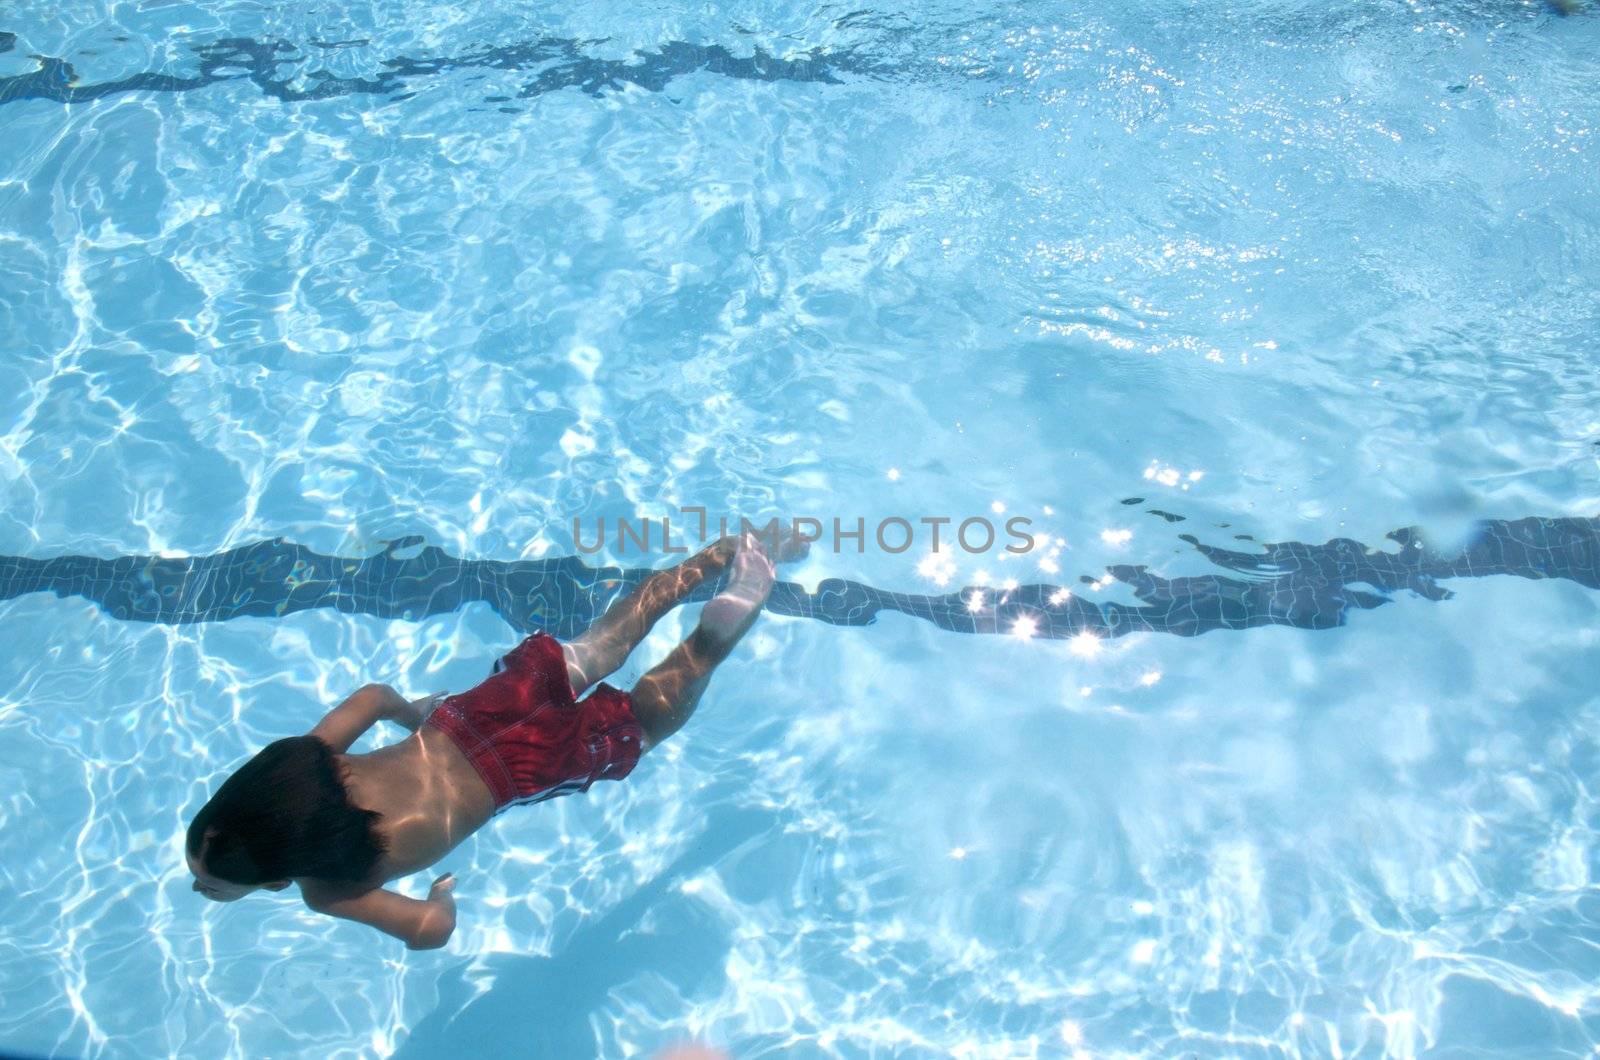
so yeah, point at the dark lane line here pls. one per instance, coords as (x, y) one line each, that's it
(1294, 584)
(276, 69)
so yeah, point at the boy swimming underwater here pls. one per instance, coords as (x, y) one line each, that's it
(342, 825)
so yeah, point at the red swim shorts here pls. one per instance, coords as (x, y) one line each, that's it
(529, 739)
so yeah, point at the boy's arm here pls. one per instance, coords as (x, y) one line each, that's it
(365, 707)
(422, 925)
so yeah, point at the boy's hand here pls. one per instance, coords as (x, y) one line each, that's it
(439, 923)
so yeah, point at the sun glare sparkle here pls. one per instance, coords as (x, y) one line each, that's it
(1168, 475)
(937, 567)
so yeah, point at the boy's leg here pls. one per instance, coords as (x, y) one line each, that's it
(666, 695)
(605, 645)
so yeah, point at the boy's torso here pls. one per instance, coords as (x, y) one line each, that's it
(428, 794)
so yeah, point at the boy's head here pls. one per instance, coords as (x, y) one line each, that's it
(284, 815)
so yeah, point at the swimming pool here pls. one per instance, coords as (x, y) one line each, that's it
(322, 326)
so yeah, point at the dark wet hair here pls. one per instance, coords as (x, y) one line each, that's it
(284, 814)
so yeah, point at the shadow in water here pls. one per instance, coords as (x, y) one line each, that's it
(541, 1006)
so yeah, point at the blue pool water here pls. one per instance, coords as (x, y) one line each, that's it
(319, 326)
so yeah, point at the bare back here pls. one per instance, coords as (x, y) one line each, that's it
(428, 795)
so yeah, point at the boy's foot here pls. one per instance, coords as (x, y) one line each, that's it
(750, 578)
